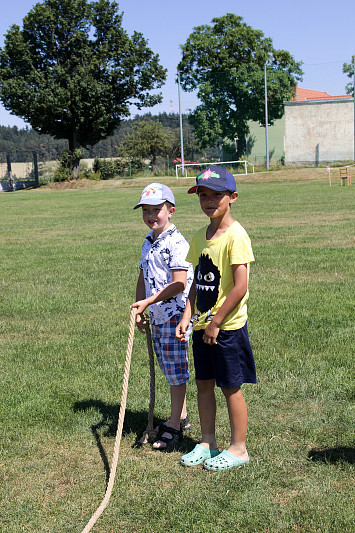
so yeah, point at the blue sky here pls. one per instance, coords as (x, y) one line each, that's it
(318, 32)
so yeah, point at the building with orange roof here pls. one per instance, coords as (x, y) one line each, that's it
(316, 128)
(319, 128)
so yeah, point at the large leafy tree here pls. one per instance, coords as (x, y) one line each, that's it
(348, 69)
(225, 62)
(73, 71)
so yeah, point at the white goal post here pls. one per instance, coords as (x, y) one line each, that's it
(201, 166)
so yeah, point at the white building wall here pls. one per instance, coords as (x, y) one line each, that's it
(319, 131)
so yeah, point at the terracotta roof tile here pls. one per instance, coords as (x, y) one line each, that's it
(308, 94)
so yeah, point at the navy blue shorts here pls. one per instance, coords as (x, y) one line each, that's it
(230, 362)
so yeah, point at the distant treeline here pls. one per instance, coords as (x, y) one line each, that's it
(21, 142)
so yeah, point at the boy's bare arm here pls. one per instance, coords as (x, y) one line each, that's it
(181, 328)
(173, 289)
(240, 277)
(140, 289)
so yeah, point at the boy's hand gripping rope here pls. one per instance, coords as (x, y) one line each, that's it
(121, 416)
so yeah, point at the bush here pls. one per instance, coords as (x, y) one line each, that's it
(109, 169)
(103, 167)
(96, 176)
(63, 172)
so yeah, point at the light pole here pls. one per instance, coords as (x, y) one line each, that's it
(266, 122)
(354, 101)
(181, 133)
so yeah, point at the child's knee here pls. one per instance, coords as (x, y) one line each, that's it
(230, 391)
(205, 385)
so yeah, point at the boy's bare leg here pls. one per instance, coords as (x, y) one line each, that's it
(207, 411)
(184, 409)
(238, 417)
(178, 402)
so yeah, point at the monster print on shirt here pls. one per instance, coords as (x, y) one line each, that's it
(207, 278)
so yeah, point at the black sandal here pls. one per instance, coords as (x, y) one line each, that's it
(185, 422)
(176, 436)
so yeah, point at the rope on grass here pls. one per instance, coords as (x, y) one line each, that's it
(116, 450)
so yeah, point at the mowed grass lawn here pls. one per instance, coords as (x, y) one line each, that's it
(68, 268)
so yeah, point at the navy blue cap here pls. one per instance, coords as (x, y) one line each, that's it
(215, 178)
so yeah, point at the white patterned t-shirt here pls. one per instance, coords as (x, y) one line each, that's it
(158, 260)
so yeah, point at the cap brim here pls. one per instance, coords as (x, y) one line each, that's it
(213, 188)
(153, 201)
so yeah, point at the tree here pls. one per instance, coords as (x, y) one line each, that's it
(147, 139)
(225, 63)
(348, 68)
(72, 71)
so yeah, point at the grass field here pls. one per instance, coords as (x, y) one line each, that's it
(68, 267)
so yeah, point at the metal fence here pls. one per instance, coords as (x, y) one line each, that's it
(14, 176)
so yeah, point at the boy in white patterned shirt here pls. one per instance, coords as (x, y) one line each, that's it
(163, 286)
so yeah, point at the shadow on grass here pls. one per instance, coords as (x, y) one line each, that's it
(333, 455)
(134, 422)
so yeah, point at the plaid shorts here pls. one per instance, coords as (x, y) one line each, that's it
(171, 353)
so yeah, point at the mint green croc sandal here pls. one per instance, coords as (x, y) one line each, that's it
(198, 455)
(224, 461)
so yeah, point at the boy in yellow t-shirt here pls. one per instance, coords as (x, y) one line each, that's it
(221, 254)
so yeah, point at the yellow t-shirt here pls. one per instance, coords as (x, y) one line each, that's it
(212, 261)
